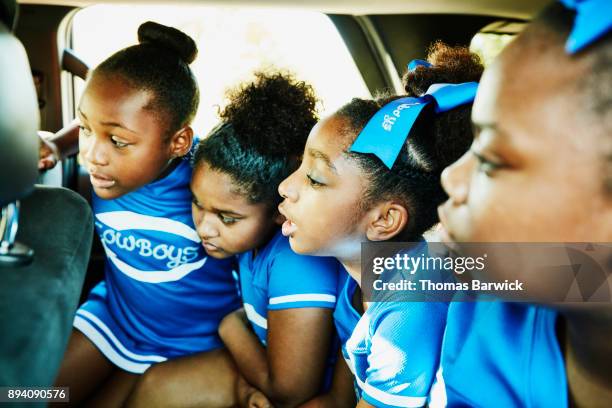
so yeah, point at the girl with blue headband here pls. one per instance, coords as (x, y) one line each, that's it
(353, 186)
(281, 341)
(539, 171)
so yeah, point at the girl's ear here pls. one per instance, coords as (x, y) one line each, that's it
(181, 141)
(387, 220)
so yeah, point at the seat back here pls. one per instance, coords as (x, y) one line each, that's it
(38, 301)
(19, 117)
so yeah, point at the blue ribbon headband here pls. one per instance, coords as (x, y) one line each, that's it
(593, 20)
(412, 65)
(386, 132)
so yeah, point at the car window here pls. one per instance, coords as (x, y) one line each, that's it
(232, 43)
(488, 45)
(494, 37)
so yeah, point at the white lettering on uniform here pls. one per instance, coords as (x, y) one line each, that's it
(176, 256)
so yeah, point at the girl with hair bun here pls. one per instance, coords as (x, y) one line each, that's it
(282, 339)
(370, 173)
(162, 297)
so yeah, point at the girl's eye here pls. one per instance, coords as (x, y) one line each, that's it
(84, 131)
(227, 220)
(486, 166)
(196, 203)
(313, 182)
(117, 142)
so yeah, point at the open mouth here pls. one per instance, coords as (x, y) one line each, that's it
(210, 247)
(288, 228)
(101, 181)
(443, 234)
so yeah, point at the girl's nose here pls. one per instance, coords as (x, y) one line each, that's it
(205, 228)
(287, 190)
(93, 151)
(456, 178)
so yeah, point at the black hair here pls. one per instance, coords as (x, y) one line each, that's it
(159, 64)
(435, 141)
(262, 135)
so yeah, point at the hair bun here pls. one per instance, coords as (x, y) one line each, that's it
(272, 114)
(452, 65)
(169, 38)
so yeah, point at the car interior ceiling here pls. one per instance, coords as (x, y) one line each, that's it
(520, 9)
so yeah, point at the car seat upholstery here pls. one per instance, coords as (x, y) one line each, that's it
(18, 114)
(38, 301)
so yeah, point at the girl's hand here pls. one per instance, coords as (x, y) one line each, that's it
(250, 397)
(47, 152)
(258, 400)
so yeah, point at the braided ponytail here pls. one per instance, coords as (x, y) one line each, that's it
(435, 141)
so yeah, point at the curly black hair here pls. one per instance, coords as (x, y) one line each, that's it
(262, 134)
(435, 141)
(160, 64)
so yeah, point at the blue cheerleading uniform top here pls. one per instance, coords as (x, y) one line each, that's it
(162, 297)
(278, 278)
(501, 354)
(392, 349)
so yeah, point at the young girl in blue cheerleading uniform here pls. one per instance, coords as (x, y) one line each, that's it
(281, 341)
(341, 197)
(162, 296)
(539, 171)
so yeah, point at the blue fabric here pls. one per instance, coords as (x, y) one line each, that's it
(278, 278)
(393, 349)
(412, 65)
(593, 20)
(162, 296)
(386, 132)
(449, 96)
(345, 315)
(500, 354)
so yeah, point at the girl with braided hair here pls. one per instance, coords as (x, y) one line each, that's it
(348, 191)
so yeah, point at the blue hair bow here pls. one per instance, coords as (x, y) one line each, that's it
(593, 20)
(386, 132)
(412, 65)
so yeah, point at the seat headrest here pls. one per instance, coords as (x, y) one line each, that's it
(8, 13)
(19, 120)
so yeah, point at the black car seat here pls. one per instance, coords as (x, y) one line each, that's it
(45, 233)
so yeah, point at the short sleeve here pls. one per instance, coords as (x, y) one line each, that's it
(404, 353)
(297, 281)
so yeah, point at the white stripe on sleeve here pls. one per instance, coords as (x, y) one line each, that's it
(255, 317)
(304, 297)
(390, 399)
(385, 397)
